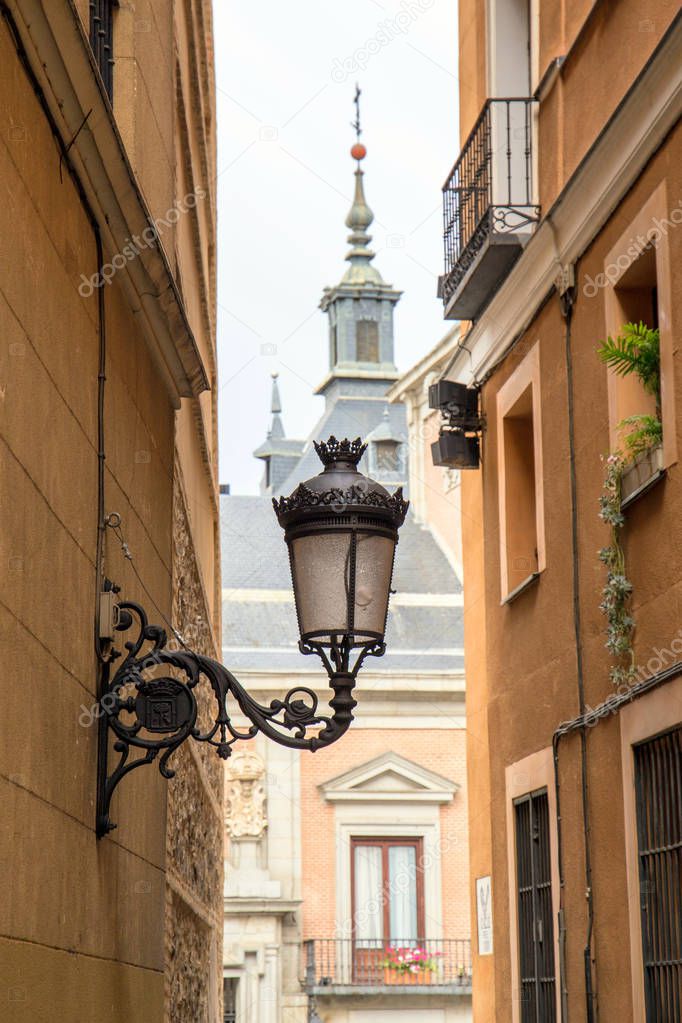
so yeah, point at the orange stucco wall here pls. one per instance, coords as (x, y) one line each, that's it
(523, 683)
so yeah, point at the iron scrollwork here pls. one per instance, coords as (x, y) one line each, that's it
(150, 704)
(304, 497)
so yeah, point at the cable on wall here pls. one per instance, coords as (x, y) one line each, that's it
(64, 161)
(567, 303)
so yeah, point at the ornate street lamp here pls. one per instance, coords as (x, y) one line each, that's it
(341, 529)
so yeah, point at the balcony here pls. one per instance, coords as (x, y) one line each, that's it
(339, 966)
(488, 206)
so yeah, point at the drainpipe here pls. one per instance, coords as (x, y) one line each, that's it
(65, 161)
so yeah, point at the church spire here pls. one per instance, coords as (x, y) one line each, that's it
(277, 452)
(277, 426)
(360, 307)
(360, 216)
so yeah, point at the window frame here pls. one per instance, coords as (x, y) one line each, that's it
(526, 374)
(526, 776)
(363, 321)
(385, 843)
(659, 830)
(232, 983)
(533, 800)
(381, 448)
(617, 264)
(650, 715)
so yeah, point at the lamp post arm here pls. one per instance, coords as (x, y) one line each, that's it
(159, 697)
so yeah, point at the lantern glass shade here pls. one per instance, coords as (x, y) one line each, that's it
(342, 579)
(373, 571)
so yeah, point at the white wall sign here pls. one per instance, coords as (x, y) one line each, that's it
(484, 915)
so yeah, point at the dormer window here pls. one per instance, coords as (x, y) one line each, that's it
(367, 341)
(386, 456)
(386, 449)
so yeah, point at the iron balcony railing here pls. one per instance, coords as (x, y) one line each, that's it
(352, 963)
(490, 189)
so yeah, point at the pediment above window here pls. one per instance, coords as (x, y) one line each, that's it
(386, 779)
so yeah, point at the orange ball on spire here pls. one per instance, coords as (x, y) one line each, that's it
(358, 152)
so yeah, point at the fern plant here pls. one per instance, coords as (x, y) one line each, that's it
(636, 350)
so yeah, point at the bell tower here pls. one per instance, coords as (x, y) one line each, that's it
(360, 308)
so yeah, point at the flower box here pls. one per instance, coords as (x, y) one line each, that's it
(407, 976)
(646, 469)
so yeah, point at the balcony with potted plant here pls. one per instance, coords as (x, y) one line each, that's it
(352, 967)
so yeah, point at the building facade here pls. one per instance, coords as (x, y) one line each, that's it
(108, 451)
(562, 228)
(335, 859)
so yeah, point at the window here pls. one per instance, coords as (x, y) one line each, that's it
(367, 341)
(387, 891)
(635, 300)
(521, 509)
(637, 282)
(386, 456)
(101, 39)
(333, 345)
(658, 777)
(230, 999)
(510, 26)
(534, 904)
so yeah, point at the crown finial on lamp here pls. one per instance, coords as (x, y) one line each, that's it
(332, 451)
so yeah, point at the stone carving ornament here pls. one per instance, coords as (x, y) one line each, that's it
(245, 796)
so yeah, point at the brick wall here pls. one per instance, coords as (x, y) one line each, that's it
(442, 751)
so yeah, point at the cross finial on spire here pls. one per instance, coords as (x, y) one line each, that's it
(356, 122)
(360, 216)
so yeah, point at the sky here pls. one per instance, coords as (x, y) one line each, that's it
(286, 77)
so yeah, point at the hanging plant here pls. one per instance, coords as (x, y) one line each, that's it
(636, 350)
(617, 592)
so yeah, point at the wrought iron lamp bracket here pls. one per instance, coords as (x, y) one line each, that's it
(150, 704)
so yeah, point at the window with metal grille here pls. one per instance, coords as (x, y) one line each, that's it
(230, 999)
(658, 781)
(101, 39)
(534, 893)
(367, 341)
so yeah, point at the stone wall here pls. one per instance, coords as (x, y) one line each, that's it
(194, 834)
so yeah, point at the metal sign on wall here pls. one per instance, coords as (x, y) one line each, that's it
(484, 916)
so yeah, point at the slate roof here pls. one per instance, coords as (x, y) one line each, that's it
(346, 417)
